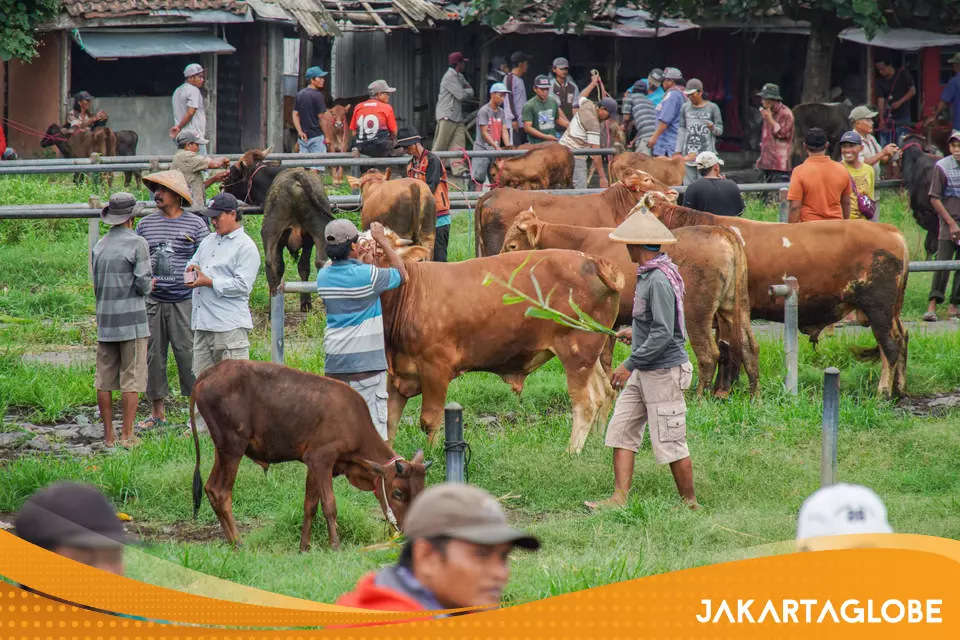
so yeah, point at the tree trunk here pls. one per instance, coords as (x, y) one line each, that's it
(816, 73)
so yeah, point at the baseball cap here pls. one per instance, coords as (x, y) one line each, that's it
(954, 135)
(315, 72)
(379, 86)
(518, 57)
(83, 95)
(640, 85)
(561, 63)
(192, 70)
(655, 77)
(462, 512)
(851, 137)
(186, 137)
(455, 58)
(707, 159)
(499, 87)
(72, 515)
(340, 231)
(221, 203)
(672, 73)
(842, 509)
(610, 105)
(816, 138)
(541, 82)
(863, 112)
(693, 85)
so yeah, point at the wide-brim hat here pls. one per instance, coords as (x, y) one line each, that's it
(171, 179)
(642, 227)
(771, 91)
(955, 59)
(113, 216)
(406, 137)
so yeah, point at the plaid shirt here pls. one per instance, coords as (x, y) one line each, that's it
(122, 278)
(776, 140)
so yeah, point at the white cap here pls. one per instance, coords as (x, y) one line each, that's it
(842, 509)
(707, 159)
(191, 70)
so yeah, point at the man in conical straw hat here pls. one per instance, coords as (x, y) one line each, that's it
(173, 236)
(652, 379)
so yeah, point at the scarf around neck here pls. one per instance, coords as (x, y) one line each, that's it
(665, 265)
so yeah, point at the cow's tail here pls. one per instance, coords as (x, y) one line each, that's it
(318, 198)
(417, 214)
(197, 481)
(478, 227)
(738, 339)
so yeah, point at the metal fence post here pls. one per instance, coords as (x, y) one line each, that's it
(789, 291)
(455, 446)
(93, 232)
(784, 206)
(276, 327)
(830, 426)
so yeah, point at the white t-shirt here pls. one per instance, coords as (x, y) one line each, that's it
(871, 148)
(187, 96)
(576, 136)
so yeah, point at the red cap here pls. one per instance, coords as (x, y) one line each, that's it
(455, 58)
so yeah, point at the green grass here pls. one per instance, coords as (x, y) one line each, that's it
(755, 461)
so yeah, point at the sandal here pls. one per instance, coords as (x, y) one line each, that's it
(134, 441)
(930, 316)
(151, 423)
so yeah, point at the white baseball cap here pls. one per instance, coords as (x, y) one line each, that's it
(192, 70)
(842, 509)
(707, 159)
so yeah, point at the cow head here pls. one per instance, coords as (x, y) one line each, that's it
(370, 177)
(524, 234)
(396, 484)
(50, 138)
(240, 172)
(371, 253)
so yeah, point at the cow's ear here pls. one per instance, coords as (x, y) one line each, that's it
(418, 456)
(386, 174)
(522, 226)
(533, 234)
(354, 182)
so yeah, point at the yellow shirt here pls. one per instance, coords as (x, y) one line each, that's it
(863, 178)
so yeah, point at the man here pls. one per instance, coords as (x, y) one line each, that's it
(655, 85)
(838, 510)
(518, 94)
(851, 150)
(654, 376)
(819, 188)
(188, 113)
(700, 125)
(895, 90)
(498, 69)
(873, 154)
(350, 290)
(776, 136)
(541, 114)
(225, 268)
(564, 90)
(451, 131)
(374, 123)
(308, 106)
(950, 95)
(427, 167)
(74, 521)
(456, 555)
(663, 142)
(122, 278)
(584, 133)
(492, 132)
(173, 236)
(643, 114)
(945, 198)
(713, 193)
(188, 161)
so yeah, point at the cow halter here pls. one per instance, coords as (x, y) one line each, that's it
(382, 494)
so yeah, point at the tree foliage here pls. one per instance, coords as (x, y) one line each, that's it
(18, 24)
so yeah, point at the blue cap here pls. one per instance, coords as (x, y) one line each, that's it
(851, 137)
(315, 72)
(499, 87)
(221, 203)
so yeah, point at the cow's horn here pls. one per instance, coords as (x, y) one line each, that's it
(403, 242)
(267, 151)
(399, 465)
(427, 465)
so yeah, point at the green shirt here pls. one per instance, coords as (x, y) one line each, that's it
(543, 115)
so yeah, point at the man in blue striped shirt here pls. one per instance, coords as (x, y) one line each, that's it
(353, 342)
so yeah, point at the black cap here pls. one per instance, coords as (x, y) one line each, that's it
(518, 57)
(816, 138)
(221, 203)
(70, 515)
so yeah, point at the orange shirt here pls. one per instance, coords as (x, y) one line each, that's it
(373, 119)
(819, 184)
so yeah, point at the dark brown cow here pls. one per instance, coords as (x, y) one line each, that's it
(405, 206)
(443, 322)
(82, 144)
(832, 117)
(271, 414)
(544, 166)
(714, 269)
(334, 123)
(669, 171)
(840, 266)
(497, 209)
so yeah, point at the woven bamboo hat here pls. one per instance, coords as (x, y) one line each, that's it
(172, 180)
(642, 227)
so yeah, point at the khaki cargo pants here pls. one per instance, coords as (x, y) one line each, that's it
(655, 398)
(212, 347)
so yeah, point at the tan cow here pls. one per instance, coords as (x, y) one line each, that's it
(714, 269)
(669, 171)
(333, 122)
(404, 205)
(544, 166)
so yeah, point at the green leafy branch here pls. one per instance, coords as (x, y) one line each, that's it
(540, 306)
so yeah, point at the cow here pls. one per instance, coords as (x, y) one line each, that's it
(544, 166)
(272, 414)
(840, 266)
(669, 171)
(405, 206)
(295, 212)
(334, 123)
(917, 167)
(714, 269)
(82, 144)
(431, 340)
(496, 210)
(832, 117)
(127, 146)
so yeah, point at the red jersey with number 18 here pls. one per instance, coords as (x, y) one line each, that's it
(373, 119)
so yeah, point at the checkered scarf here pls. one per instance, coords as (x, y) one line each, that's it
(665, 265)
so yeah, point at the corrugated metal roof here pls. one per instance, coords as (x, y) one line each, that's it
(269, 10)
(331, 17)
(142, 44)
(901, 39)
(115, 8)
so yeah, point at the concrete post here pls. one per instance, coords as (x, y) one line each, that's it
(789, 291)
(276, 327)
(455, 446)
(830, 426)
(93, 232)
(784, 206)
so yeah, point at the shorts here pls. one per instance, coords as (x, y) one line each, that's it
(122, 366)
(374, 393)
(657, 393)
(212, 347)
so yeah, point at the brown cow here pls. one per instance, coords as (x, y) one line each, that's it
(669, 171)
(82, 144)
(544, 166)
(333, 121)
(497, 209)
(404, 205)
(443, 322)
(714, 269)
(840, 266)
(271, 414)
(612, 136)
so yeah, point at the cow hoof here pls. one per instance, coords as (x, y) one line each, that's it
(306, 308)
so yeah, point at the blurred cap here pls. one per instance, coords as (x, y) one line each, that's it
(955, 135)
(955, 59)
(851, 137)
(456, 58)
(561, 63)
(672, 73)
(610, 105)
(83, 95)
(221, 203)
(863, 112)
(771, 91)
(816, 138)
(192, 70)
(640, 85)
(499, 87)
(655, 77)
(842, 509)
(379, 86)
(315, 72)
(541, 82)
(498, 61)
(407, 136)
(693, 85)
(707, 159)
(186, 137)
(518, 57)
(70, 515)
(340, 231)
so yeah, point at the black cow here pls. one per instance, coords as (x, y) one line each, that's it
(917, 165)
(832, 117)
(127, 146)
(295, 212)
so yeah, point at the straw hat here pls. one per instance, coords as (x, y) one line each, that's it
(172, 180)
(642, 227)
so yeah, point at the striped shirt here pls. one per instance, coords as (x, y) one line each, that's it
(121, 279)
(172, 241)
(353, 341)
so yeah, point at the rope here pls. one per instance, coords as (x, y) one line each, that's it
(493, 185)
(22, 128)
(462, 445)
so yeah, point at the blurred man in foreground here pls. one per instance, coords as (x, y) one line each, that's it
(840, 509)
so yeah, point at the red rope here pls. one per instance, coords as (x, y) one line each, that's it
(22, 128)
(493, 185)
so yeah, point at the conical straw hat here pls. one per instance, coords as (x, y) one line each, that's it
(642, 227)
(172, 180)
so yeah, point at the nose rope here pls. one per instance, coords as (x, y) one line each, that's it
(384, 503)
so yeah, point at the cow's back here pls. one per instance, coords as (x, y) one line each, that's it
(669, 171)
(404, 205)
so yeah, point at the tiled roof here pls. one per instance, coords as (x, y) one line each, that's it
(117, 8)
